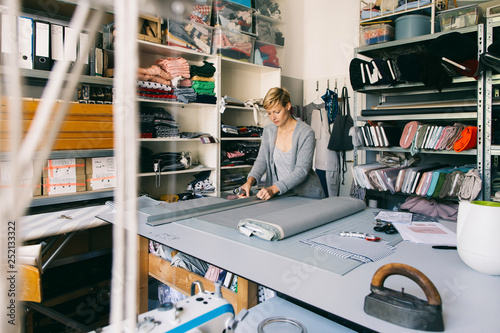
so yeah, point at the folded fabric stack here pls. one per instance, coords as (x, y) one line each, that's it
(185, 95)
(203, 82)
(426, 180)
(156, 122)
(266, 55)
(178, 67)
(154, 83)
(191, 35)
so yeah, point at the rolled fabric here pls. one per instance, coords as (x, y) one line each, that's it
(287, 222)
(445, 135)
(409, 132)
(467, 139)
(456, 134)
(471, 186)
(456, 182)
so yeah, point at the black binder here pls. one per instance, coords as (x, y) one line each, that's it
(41, 43)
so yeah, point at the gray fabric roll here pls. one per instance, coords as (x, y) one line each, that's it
(288, 222)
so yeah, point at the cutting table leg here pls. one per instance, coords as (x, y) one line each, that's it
(143, 274)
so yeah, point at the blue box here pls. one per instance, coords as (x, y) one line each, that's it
(247, 3)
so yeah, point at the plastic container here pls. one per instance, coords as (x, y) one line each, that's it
(269, 8)
(408, 26)
(232, 15)
(457, 18)
(267, 54)
(201, 12)
(269, 30)
(376, 33)
(233, 44)
(187, 34)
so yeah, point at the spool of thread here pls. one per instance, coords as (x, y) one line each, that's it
(372, 203)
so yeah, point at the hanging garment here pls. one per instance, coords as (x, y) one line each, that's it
(331, 99)
(340, 140)
(326, 162)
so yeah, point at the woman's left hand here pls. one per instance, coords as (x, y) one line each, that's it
(267, 193)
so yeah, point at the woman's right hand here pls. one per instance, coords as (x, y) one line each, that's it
(245, 189)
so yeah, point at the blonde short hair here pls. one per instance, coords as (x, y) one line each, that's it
(276, 96)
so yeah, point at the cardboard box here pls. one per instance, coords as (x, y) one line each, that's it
(63, 185)
(37, 186)
(65, 167)
(99, 165)
(101, 181)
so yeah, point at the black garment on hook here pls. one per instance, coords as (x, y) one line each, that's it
(340, 140)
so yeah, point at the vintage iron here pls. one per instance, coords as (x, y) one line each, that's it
(403, 309)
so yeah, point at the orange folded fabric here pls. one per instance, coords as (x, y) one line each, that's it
(467, 139)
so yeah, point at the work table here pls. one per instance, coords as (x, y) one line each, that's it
(299, 271)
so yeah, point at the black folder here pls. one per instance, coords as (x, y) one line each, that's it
(41, 43)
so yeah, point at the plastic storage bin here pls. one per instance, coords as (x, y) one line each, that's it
(267, 54)
(201, 12)
(269, 30)
(460, 17)
(188, 34)
(233, 44)
(232, 15)
(376, 33)
(408, 26)
(268, 8)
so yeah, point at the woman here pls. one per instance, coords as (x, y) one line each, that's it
(285, 154)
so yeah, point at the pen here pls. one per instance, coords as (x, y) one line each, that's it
(444, 247)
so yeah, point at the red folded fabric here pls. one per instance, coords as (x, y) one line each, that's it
(467, 139)
(472, 66)
(408, 134)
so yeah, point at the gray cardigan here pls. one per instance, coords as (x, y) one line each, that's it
(303, 180)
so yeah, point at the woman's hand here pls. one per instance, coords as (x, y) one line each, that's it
(245, 188)
(267, 193)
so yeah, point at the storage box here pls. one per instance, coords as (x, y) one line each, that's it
(457, 18)
(267, 54)
(37, 185)
(98, 165)
(268, 8)
(24, 181)
(376, 33)
(193, 36)
(201, 12)
(149, 28)
(269, 30)
(67, 167)
(232, 15)
(64, 185)
(233, 44)
(101, 181)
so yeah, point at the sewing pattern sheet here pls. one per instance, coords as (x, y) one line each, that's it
(427, 233)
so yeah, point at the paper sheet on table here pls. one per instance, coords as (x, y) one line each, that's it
(433, 233)
(394, 217)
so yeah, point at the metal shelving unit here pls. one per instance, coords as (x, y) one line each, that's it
(465, 93)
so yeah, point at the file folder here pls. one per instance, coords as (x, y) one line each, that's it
(8, 41)
(56, 42)
(70, 44)
(42, 46)
(25, 39)
(96, 56)
(82, 57)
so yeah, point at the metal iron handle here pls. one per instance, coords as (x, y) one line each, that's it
(412, 273)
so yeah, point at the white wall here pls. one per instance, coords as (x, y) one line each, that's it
(320, 39)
